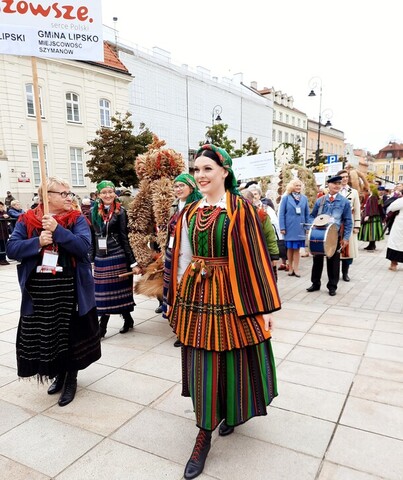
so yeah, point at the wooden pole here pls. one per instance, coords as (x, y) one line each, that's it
(40, 136)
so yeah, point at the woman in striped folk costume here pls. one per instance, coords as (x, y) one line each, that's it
(222, 293)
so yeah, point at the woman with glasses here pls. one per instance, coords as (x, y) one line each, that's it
(186, 191)
(113, 258)
(58, 328)
(221, 294)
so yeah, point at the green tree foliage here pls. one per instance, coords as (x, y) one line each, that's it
(216, 135)
(115, 150)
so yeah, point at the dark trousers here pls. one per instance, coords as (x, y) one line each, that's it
(333, 270)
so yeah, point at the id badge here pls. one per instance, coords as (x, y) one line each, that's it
(101, 244)
(298, 210)
(50, 259)
(171, 242)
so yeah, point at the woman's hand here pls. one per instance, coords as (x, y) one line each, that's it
(45, 238)
(268, 322)
(49, 223)
(137, 270)
(283, 232)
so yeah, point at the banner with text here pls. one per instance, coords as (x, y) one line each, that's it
(45, 28)
(252, 166)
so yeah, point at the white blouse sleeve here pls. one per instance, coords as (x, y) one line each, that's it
(185, 250)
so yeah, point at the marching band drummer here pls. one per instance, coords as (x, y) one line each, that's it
(338, 208)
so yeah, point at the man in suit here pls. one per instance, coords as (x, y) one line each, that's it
(338, 208)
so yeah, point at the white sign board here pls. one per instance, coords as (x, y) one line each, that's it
(253, 166)
(320, 178)
(332, 168)
(45, 28)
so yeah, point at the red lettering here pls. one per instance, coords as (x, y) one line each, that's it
(57, 11)
(7, 8)
(68, 12)
(22, 7)
(68, 9)
(39, 10)
(82, 14)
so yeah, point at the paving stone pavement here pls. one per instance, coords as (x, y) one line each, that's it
(338, 416)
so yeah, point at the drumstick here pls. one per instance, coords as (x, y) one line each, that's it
(127, 274)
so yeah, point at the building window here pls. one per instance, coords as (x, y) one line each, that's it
(280, 137)
(105, 112)
(292, 138)
(36, 163)
(293, 120)
(72, 107)
(400, 178)
(76, 165)
(299, 122)
(401, 167)
(389, 155)
(387, 177)
(274, 114)
(280, 116)
(29, 92)
(286, 137)
(287, 118)
(274, 136)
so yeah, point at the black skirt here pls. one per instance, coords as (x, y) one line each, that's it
(55, 338)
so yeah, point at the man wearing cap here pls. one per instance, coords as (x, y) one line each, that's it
(338, 208)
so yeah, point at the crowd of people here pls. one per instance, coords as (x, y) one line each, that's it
(218, 291)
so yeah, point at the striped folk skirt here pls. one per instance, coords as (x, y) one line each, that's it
(113, 295)
(371, 231)
(55, 339)
(235, 385)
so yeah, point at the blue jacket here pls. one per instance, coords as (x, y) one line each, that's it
(294, 224)
(77, 241)
(339, 210)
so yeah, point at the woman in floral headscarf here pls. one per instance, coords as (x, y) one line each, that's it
(113, 258)
(222, 292)
(186, 191)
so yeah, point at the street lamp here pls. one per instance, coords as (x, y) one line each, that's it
(318, 83)
(215, 114)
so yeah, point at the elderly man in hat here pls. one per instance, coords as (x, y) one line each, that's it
(339, 210)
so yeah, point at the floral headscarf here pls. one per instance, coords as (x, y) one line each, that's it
(191, 182)
(226, 162)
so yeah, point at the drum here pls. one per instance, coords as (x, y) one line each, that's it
(323, 236)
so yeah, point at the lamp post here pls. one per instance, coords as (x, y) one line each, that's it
(215, 114)
(315, 84)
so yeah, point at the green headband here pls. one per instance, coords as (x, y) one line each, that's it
(104, 184)
(226, 163)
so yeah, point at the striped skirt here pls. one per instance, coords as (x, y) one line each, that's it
(371, 231)
(235, 385)
(55, 338)
(203, 314)
(113, 295)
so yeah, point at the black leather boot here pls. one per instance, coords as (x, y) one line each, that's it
(70, 388)
(196, 462)
(57, 384)
(224, 429)
(344, 270)
(103, 323)
(129, 323)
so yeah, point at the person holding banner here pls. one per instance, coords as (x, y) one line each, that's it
(58, 328)
(222, 293)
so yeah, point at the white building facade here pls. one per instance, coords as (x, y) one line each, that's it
(76, 98)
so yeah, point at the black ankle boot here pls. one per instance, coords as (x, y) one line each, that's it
(129, 323)
(224, 429)
(196, 462)
(103, 323)
(57, 384)
(344, 271)
(70, 388)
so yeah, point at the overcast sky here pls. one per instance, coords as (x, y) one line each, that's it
(353, 46)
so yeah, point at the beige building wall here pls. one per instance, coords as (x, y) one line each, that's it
(18, 130)
(331, 140)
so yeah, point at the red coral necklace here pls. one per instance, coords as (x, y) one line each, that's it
(206, 217)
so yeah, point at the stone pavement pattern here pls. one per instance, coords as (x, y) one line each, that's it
(338, 416)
